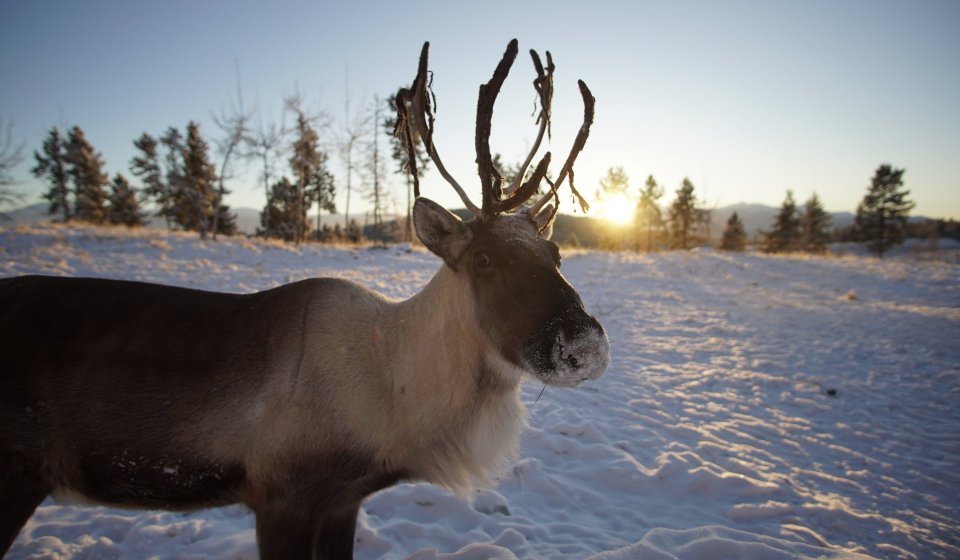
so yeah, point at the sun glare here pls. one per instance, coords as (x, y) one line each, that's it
(617, 210)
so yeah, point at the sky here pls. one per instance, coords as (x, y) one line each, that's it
(746, 99)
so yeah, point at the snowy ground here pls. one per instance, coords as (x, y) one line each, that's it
(757, 407)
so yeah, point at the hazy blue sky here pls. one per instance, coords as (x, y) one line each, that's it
(748, 99)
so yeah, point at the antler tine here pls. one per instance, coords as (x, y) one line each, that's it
(415, 117)
(490, 180)
(544, 87)
(526, 190)
(588, 106)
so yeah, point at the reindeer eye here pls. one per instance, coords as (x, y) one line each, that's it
(555, 250)
(482, 260)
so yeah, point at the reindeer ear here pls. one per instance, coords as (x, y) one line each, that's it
(440, 231)
(544, 220)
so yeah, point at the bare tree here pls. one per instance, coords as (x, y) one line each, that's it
(10, 156)
(351, 134)
(265, 145)
(374, 168)
(234, 123)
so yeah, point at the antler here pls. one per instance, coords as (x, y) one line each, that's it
(588, 105)
(414, 112)
(517, 193)
(544, 86)
(415, 119)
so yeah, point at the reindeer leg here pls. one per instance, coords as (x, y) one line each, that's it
(22, 488)
(286, 534)
(334, 536)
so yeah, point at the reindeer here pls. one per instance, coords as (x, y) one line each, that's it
(300, 401)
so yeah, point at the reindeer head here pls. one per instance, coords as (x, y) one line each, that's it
(523, 304)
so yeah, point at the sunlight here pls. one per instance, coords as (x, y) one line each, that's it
(617, 209)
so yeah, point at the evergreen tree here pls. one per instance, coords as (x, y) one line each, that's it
(279, 218)
(146, 165)
(734, 236)
(683, 217)
(124, 208)
(615, 183)
(10, 157)
(881, 218)
(195, 203)
(322, 190)
(649, 219)
(52, 165)
(353, 232)
(814, 226)
(313, 180)
(85, 167)
(225, 221)
(174, 177)
(785, 235)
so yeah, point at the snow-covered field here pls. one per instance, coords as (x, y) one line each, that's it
(757, 407)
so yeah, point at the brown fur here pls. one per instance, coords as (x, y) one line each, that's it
(298, 401)
(149, 396)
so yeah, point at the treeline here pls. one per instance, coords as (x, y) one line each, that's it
(881, 219)
(183, 181)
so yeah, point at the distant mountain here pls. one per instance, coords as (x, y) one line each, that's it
(248, 219)
(26, 215)
(757, 217)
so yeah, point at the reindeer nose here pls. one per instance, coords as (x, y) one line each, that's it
(582, 348)
(575, 322)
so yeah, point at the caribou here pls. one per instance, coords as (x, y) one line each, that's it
(300, 401)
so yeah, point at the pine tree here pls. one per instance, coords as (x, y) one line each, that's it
(52, 165)
(313, 180)
(10, 156)
(174, 177)
(85, 167)
(734, 236)
(649, 219)
(785, 234)
(881, 218)
(322, 190)
(614, 184)
(279, 218)
(814, 226)
(683, 217)
(195, 203)
(353, 232)
(225, 221)
(124, 208)
(146, 166)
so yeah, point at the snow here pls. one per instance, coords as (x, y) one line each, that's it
(756, 407)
